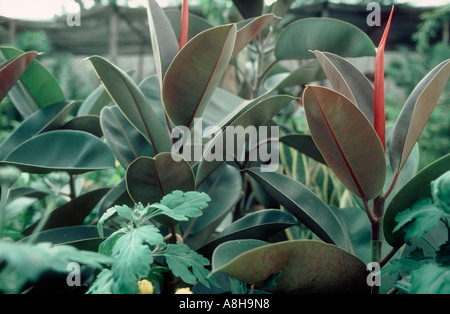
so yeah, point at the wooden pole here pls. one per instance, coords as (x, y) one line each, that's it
(12, 31)
(114, 36)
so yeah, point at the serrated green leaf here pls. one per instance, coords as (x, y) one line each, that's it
(430, 279)
(186, 264)
(182, 206)
(133, 257)
(440, 190)
(107, 215)
(419, 219)
(103, 284)
(25, 262)
(443, 254)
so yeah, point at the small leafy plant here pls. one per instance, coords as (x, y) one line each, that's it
(425, 273)
(136, 247)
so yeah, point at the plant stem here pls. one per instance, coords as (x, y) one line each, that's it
(3, 199)
(45, 217)
(376, 240)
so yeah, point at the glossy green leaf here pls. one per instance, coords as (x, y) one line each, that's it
(81, 237)
(164, 42)
(304, 144)
(224, 187)
(88, 123)
(249, 8)
(259, 225)
(222, 104)
(12, 70)
(301, 202)
(323, 34)
(37, 87)
(418, 187)
(409, 170)
(415, 114)
(257, 113)
(349, 81)
(305, 74)
(305, 266)
(71, 151)
(132, 102)
(250, 30)
(95, 102)
(72, 213)
(150, 179)
(49, 118)
(195, 73)
(281, 7)
(126, 143)
(152, 92)
(346, 140)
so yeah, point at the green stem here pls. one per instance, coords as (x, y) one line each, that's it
(3, 199)
(45, 217)
(376, 239)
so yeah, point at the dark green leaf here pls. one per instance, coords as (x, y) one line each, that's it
(72, 213)
(195, 73)
(349, 81)
(88, 123)
(129, 98)
(254, 114)
(307, 207)
(259, 225)
(95, 102)
(126, 143)
(304, 144)
(249, 8)
(224, 188)
(71, 151)
(305, 266)
(49, 118)
(164, 42)
(250, 30)
(415, 114)
(323, 34)
(150, 179)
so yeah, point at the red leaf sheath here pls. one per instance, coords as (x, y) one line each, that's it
(184, 24)
(379, 111)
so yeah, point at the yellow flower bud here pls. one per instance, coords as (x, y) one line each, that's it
(184, 291)
(145, 287)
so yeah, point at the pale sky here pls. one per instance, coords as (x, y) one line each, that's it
(45, 9)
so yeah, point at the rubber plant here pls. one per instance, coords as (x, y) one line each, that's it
(374, 162)
(127, 123)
